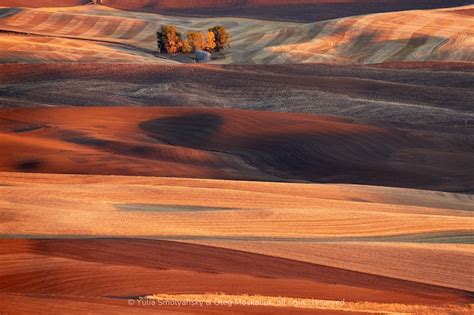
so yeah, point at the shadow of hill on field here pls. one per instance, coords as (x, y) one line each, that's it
(320, 151)
(234, 144)
(196, 128)
(150, 260)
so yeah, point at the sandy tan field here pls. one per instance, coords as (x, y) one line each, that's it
(405, 36)
(231, 224)
(24, 49)
(439, 34)
(230, 144)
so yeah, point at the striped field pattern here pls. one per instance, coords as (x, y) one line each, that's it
(240, 240)
(55, 49)
(407, 36)
(135, 182)
(113, 35)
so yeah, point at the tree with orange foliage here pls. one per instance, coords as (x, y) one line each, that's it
(222, 37)
(196, 40)
(211, 41)
(168, 39)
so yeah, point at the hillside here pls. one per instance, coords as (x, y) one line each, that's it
(405, 36)
(322, 163)
(428, 95)
(342, 247)
(432, 35)
(230, 144)
(290, 10)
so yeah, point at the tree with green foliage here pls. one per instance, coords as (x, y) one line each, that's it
(222, 37)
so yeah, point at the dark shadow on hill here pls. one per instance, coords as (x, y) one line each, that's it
(30, 165)
(193, 128)
(357, 156)
(164, 255)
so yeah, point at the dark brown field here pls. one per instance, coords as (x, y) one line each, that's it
(97, 274)
(287, 10)
(232, 144)
(424, 94)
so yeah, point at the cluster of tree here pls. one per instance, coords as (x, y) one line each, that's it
(170, 41)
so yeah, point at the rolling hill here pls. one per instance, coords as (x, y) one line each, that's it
(315, 247)
(292, 10)
(425, 95)
(322, 164)
(432, 35)
(231, 144)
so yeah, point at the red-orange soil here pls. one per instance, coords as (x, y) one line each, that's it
(105, 274)
(76, 244)
(229, 144)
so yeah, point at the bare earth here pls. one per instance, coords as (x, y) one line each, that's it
(232, 144)
(287, 10)
(102, 34)
(425, 94)
(320, 165)
(231, 225)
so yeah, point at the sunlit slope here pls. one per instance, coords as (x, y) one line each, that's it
(442, 35)
(42, 3)
(414, 235)
(132, 30)
(35, 49)
(230, 144)
(41, 35)
(104, 274)
(402, 36)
